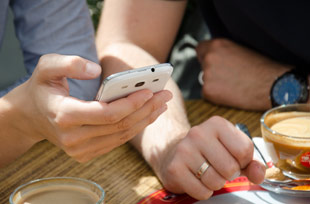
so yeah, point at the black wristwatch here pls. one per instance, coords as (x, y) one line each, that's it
(291, 87)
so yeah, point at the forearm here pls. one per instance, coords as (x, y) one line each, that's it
(134, 34)
(13, 139)
(162, 135)
(171, 126)
(137, 26)
(15, 84)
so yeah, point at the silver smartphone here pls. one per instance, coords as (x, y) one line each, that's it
(121, 84)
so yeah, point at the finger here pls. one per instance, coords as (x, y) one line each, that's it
(55, 67)
(140, 126)
(79, 112)
(158, 101)
(73, 112)
(77, 148)
(234, 140)
(216, 154)
(190, 154)
(255, 172)
(191, 185)
(143, 110)
(187, 151)
(212, 179)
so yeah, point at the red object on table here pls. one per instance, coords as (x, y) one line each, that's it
(164, 197)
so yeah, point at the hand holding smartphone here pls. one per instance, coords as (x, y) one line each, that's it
(122, 84)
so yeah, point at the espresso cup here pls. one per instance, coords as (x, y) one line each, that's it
(286, 132)
(62, 190)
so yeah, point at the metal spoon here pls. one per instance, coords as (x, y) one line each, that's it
(245, 129)
(289, 182)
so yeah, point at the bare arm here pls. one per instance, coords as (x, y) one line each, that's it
(127, 42)
(135, 33)
(151, 25)
(13, 144)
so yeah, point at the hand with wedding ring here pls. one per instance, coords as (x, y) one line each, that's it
(209, 155)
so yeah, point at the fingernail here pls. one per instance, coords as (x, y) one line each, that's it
(148, 96)
(163, 108)
(93, 69)
(168, 97)
(236, 175)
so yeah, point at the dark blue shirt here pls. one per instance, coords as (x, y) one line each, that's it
(278, 29)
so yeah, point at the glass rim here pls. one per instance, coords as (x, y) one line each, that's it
(262, 120)
(101, 199)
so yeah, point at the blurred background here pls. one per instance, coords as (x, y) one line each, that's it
(95, 7)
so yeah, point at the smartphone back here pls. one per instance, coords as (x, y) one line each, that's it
(121, 84)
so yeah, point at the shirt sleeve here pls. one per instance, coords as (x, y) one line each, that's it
(62, 27)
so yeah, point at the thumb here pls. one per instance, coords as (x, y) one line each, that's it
(255, 172)
(55, 67)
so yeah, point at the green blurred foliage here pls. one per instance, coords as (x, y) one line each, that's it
(95, 7)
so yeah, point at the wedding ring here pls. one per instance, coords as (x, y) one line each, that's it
(202, 169)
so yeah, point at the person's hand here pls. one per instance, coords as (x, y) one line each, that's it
(237, 76)
(227, 150)
(83, 129)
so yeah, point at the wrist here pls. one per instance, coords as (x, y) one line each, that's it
(14, 141)
(121, 56)
(261, 100)
(161, 155)
(20, 115)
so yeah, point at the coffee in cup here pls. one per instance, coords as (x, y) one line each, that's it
(286, 132)
(58, 190)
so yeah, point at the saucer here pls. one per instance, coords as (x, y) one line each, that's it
(284, 189)
(275, 187)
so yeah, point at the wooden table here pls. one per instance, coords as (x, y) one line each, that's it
(123, 173)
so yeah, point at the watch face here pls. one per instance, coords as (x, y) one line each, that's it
(287, 90)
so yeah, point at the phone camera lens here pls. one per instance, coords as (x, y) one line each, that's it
(139, 84)
(153, 69)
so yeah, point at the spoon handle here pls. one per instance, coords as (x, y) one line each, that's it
(245, 129)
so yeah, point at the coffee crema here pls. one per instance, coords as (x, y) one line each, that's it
(60, 194)
(289, 141)
(297, 123)
(296, 127)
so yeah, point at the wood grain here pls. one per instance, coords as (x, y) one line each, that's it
(123, 173)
